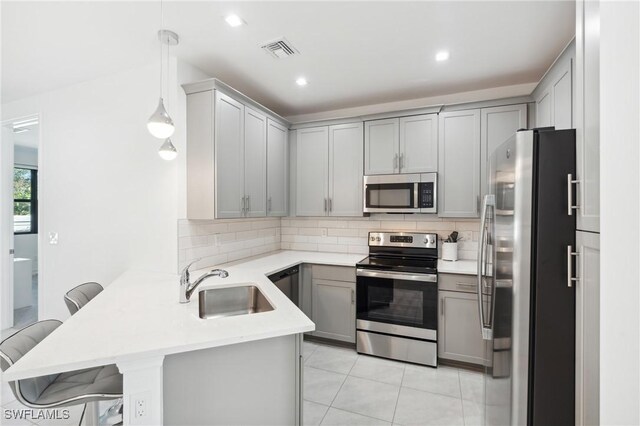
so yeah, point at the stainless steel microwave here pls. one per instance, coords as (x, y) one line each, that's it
(410, 193)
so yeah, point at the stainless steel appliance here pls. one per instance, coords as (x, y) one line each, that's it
(525, 256)
(410, 193)
(287, 282)
(397, 297)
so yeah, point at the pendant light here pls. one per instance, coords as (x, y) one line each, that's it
(160, 123)
(167, 151)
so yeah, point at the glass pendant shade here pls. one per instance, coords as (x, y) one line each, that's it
(167, 151)
(160, 124)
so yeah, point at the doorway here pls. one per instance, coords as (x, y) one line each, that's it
(20, 230)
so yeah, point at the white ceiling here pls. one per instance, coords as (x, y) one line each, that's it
(352, 53)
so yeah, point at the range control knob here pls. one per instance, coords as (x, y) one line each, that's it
(377, 238)
(372, 238)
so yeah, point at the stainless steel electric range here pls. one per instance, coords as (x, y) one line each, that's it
(397, 297)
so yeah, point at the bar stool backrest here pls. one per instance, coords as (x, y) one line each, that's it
(79, 296)
(16, 346)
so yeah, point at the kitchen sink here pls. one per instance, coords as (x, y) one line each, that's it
(230, 301)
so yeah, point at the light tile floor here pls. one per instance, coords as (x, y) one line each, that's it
(344, 388)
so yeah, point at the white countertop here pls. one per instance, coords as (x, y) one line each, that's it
(466, 267)
(138, 316)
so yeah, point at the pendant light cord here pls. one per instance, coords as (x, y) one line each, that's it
(160, 39)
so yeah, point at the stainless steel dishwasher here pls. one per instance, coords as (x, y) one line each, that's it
(287, 282)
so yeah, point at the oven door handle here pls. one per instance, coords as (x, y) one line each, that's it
(433, 278)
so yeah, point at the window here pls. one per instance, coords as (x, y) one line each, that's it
(25, 201)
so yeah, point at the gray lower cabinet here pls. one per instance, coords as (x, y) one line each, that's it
(588, 328)
(333, 302)
(459, 334)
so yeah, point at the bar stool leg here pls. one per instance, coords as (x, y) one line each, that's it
(91, 415)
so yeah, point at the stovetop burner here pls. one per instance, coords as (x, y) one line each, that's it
(400, 263)
(403, 252)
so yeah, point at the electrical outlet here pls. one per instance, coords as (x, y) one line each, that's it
(53, 238)
(323, 232)
(140, 408)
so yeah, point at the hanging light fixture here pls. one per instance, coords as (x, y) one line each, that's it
(167, 151)
(160, 123)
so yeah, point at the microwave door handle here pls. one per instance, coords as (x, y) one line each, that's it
(489, 200)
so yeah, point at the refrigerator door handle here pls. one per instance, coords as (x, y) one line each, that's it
(570, 206)
(489, 200)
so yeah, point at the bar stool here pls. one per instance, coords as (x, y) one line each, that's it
(88, 386)
(80, 295)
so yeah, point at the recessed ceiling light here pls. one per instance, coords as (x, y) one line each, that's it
(301, 81)
(234, 20)
(442, 55)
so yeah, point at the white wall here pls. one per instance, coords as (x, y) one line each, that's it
(26, 245)
(114, 202)
(619, 213)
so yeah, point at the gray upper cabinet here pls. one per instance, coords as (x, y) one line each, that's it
(229, 154)
(277, 166)
(419, 144)
(382, 146)
(231, 172)
(587, 115)
(255, 163)
(459, 163)
(554, 95)
(402, 145)
(312, 171)
(328, 178)
(345, 170)
(497, 125)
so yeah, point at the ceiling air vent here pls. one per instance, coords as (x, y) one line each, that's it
(280, 48)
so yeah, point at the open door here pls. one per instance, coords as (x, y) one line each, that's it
(6, 227)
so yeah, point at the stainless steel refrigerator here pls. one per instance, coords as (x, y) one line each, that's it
(527, 319)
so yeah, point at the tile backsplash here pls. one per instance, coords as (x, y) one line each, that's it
(225, 240)
(349, 235)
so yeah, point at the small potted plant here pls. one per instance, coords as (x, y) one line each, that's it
(450, 247)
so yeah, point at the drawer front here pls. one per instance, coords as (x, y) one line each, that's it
(458, 282)
(334, 273)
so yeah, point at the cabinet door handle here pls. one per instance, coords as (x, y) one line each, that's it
(325, 204)
(269, 204)
(570, 206)
(401, 161)
(442, 307)
(330, 204)
(353, 296)
(242, 204)
(570, 254)
(248, 203)
(395, 162)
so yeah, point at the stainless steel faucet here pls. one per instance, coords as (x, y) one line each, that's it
(187, 288)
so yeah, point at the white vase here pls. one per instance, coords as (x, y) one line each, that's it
(450, 251)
